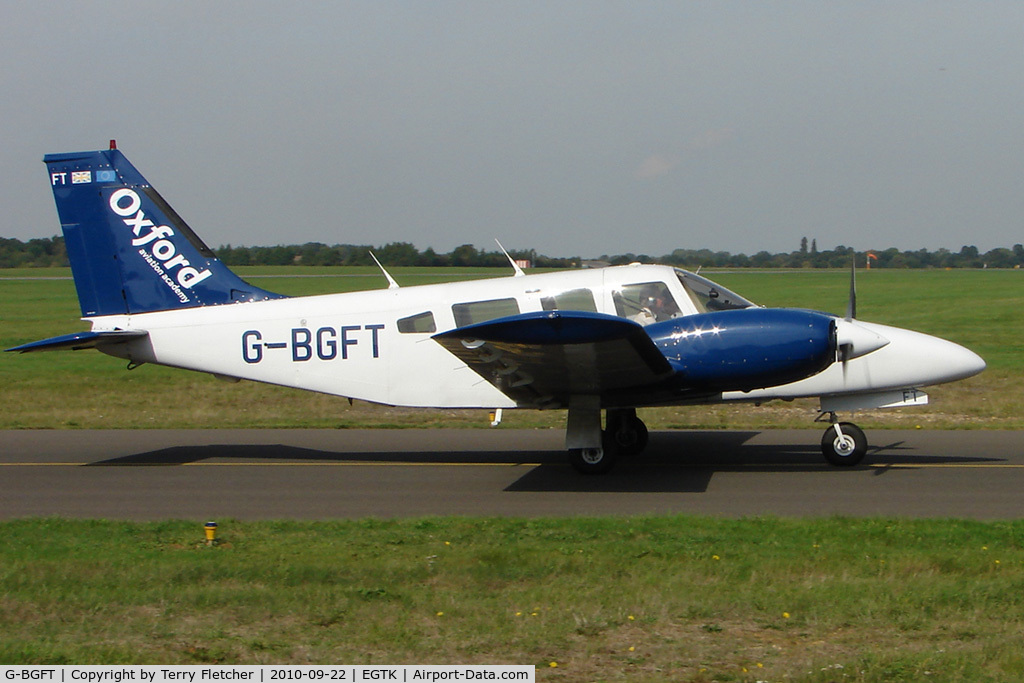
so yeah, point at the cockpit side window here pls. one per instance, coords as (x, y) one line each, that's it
(419, 323)
(708, 296)
(645, 302)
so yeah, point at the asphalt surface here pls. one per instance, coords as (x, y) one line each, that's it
(326, 474)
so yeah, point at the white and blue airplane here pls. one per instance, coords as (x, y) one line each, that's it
(607, 340)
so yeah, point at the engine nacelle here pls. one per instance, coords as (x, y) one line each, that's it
(746, 349)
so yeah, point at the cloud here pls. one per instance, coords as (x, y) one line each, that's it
(662, 163)
(715, 137)
(656, 166)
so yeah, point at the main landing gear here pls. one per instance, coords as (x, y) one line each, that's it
(627, 431)
(593, 450)
(843, 444)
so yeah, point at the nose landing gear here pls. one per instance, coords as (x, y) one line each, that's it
(843, 444)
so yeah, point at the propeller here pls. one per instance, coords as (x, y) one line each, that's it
(845, 348)
(851, 305)
(853, 340)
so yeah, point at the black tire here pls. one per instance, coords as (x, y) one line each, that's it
(630, 436)
(849, 450)
(594, 460)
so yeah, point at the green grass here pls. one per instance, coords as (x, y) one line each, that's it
(696, 599)
(980, 309)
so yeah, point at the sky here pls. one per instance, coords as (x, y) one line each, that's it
(573, 128)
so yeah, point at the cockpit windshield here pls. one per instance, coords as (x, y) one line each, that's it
(708, 296)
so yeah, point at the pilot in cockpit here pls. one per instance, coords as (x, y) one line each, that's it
(656, 305)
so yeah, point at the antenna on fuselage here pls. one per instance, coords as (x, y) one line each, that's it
(515, 266)
(391, 281)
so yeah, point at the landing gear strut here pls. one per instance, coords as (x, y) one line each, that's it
(843, 444)
(593, 450)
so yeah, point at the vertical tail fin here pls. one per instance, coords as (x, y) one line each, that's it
(130, 252)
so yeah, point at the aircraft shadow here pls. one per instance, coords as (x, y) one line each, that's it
(280, 453)
(685, 462)
(680, 462)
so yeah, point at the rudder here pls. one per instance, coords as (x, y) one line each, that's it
(130, 252)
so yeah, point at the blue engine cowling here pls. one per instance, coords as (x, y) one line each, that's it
(746, 349)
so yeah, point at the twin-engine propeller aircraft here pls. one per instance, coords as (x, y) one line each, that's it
(611, 339)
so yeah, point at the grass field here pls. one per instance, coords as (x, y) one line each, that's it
(606, 599)
(588, 599)
(980, 309)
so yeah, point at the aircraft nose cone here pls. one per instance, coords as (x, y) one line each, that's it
(947, 361)
(966, 362)
(918, 359)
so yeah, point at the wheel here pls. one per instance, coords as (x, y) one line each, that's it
(594, 460)
(628, 432)
(846, 450)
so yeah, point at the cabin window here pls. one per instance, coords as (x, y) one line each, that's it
(572, 300)
(420, 323)
(645, 302)
(481, 311)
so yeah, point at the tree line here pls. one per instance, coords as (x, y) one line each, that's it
(50, 252)
(839, 257)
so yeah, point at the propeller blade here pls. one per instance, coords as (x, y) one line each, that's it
(851, 306)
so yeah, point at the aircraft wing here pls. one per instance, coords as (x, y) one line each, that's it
(81, 340)
(540, 359)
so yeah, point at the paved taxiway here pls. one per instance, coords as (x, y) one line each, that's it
(322, 474)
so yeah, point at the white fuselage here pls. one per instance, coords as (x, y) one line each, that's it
(376, 345)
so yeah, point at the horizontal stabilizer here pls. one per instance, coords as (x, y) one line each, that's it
(81, 340)
(540, 359)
